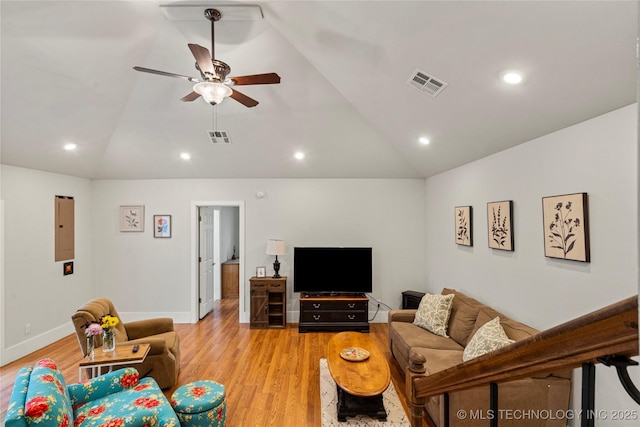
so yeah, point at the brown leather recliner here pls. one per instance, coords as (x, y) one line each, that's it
(163, 361)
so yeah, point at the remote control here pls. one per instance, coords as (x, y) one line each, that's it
(135, 348)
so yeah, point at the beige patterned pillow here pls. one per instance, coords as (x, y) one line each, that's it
(489, 337)
(433, 313)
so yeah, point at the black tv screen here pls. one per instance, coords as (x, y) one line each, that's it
(332, 270)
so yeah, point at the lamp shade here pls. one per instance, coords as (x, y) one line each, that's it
(212, 92)
(275, 247)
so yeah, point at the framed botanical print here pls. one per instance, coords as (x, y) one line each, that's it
(162, 226)
(500, 225)
(566, 227)
(132, 218)
(261, 271)
(464, 221)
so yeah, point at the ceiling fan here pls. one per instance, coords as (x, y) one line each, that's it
(215, 86)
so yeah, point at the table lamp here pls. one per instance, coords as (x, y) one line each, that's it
(275, 247)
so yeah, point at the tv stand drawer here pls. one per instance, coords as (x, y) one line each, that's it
(319, 305)
(334, 313)
(333, 316)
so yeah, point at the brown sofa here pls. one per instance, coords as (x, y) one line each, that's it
(163, 361)
(521, 403)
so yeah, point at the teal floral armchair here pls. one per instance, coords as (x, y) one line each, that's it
(40, 398)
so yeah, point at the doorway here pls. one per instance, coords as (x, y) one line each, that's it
(217, 232)
(208, 258)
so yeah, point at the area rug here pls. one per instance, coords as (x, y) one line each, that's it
(396, 416)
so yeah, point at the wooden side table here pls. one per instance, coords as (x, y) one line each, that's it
(411, 299)
(122, 355)
(268, 302)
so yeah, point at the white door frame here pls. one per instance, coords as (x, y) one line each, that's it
(194, 256)
(3, 320)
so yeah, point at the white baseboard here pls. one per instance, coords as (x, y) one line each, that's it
(178, 316)
(380, 317)
(37, 342)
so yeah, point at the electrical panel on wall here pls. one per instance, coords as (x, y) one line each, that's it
(64, 228)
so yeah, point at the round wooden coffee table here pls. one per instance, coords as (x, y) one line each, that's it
(360, 383)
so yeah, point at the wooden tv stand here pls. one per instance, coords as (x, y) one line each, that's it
(334, 313)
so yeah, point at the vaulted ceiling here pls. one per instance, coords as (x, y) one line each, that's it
(344, 100)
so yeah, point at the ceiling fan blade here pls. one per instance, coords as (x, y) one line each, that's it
(191, 97)
(164, 73)
(256, 79)
(203, 58)
(243, 99)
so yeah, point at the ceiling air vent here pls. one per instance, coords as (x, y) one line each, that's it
(427, 83)
(219, 137)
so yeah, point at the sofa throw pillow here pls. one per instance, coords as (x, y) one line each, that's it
(489, 337)
(433, 313)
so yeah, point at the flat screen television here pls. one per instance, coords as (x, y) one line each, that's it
(332, 270)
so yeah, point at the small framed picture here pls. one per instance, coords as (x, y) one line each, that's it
(67, 268)
(132, 218)
(261, 271)
(162, 226)
(566, 227)
(500, 225)
(464, 222)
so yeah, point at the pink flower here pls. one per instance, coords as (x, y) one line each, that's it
(93, 329)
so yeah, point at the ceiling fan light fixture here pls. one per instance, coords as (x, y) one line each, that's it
(212, 92)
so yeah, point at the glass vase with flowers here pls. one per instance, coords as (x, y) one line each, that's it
(108, 324)
(92, 329)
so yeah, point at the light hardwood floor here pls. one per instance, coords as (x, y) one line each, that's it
(271, 376)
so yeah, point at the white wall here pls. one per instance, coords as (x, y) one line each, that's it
(598, 157)
(36, 292)
(147, 276)
(385, 214)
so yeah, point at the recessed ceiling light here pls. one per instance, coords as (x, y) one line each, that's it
(299, 155)
(424, 140)
(185, 156)
(70, 146)
(512, 77)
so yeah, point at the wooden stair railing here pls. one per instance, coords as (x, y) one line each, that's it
(610, 331)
